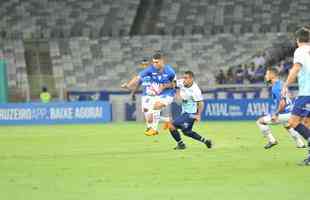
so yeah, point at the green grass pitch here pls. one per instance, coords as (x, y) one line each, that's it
(116, 161)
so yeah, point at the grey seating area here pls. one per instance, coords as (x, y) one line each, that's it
(66, 18)
(232, 16)
(13, 52)
(97, 18)
(83, 63)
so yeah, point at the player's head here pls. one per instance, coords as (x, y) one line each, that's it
(271, 75)
(158, 60)
(44, 89)
(303, 35)
(188, 78)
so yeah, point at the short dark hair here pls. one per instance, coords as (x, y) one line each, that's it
(158, 55)
(303, 34)
(190, 73)
(44, 89)
(273, 70)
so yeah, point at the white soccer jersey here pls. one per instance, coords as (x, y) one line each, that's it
(302, 57)
(190, 96)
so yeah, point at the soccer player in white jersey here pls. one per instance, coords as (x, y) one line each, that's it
(280, 114)
(162, 77)
(192, 107)
(301, 69)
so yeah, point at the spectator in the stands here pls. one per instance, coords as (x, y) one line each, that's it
(230, 78)
(220, 77)
(259, 74)
(239, 75)
(259, 60)
(251, 73)
(286, 66)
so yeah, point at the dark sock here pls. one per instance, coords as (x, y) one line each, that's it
(176, 136)
(304, 131)
(195, 136)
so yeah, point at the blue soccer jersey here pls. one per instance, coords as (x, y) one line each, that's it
(166, 76)
(276, 98)
(148, 86)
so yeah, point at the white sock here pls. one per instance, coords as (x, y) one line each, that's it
(266, 131)
(297, 138)
(156, 119)
(146, 116)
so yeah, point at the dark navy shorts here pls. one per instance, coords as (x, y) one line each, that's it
(302, 106)
(185, 121)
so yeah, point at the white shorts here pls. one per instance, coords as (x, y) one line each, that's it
(147, 102)
(166, 100)
(282, 119)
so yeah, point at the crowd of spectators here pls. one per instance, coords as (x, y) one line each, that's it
(253, 72)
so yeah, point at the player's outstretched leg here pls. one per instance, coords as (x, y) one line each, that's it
(296, 137)
(266, 131)
(147, 120)
(305, 132)
(177, 137)
(197, 137)
(295, 121)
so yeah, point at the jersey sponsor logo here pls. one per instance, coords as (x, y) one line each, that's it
(186, 125)
(307, 107)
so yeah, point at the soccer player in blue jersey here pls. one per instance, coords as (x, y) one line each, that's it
(301, 69)
(162, 77)
(280, 114)
(192, 107)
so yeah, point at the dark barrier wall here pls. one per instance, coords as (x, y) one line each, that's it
(3, 82)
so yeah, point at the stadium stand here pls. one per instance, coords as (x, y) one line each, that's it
(82, 62)
(96, 18)
(99, 43)
(58, 18)
(231, 16)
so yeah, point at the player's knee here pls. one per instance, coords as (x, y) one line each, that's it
(158, 106)
(172, 127)
(292, 123)
(260, 121)
(187, 132)
(306, 122)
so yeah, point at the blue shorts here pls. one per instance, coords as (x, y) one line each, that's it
(302, 106)
(184, 122)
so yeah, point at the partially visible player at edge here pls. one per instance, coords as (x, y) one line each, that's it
(162, 76)
(301, 69)
(192, 107)
(281, 113)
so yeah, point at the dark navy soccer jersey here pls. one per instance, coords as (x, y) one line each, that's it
(166, 76)
(276, 98)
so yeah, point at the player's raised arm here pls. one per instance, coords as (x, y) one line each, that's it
(132, 84)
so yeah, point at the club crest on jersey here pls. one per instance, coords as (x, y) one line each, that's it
(307, 107)
(185, 125)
